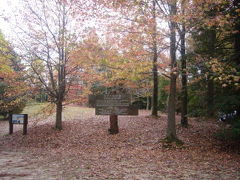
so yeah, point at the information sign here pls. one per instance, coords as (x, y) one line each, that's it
(18, 119)
(113, 105)
(117, 104)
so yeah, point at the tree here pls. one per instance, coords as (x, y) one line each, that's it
(141, 17)
(171, 129)
(182, 35)
(13, 89)
(212, 25)
(109, 67)
(47, 41)
(155, 58)
(165, 11)
(211, 33)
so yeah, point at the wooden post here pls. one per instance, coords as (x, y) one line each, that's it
(25, 124)
(113, 124)
(10, 125)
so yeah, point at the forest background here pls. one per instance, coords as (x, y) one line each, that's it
(171, 56)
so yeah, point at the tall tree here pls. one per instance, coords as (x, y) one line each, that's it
(213, 25)
(184, 93)
(155, 67)
(107, 66)
(171, 125)
(47, 41)
(141, 17)
(13, 89)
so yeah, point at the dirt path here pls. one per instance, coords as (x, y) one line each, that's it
(4, 128)
(84, 150)
(14, 165)
(19, 165)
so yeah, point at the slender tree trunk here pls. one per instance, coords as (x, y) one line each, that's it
(59, 108)
(155, 69)
(171, 124)
(210, 97)
(61, 71)
(148, 103)
(184, 93)
(155, 91)
(236, 36)
(210, 84)
(236, 41)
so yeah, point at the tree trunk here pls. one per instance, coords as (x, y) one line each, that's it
(184, 93)
(171, 127)
(210, 98)
(210, 84)
(236, 41)
(61, 71)
(148, 107)
(155, 92)
(58, 124)
(236, 36)
(155, 69)
(113, 124)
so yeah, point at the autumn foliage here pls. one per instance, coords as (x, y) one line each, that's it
(12, 87)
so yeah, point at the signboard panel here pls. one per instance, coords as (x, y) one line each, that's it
(116, 104)
(18, 118)
(113, 100)
(114, 110)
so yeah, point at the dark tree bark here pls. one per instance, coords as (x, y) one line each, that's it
(171, 124)
(148, 103)
(210, 97)
(236, 36)
(61, 70)
(113, 124)
(155, 69)
(184, 93)
(236, 40)
(210, 82)
(58, 123)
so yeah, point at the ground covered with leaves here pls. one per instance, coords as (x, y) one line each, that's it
(85, 150)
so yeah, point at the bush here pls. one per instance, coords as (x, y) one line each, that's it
(232, 133)
(13, 106)
(196, 105)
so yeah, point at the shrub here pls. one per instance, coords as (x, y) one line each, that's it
(232, 133)
(13, 106)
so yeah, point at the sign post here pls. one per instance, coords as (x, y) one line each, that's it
(113, 105)
(18, 119)
(113, 124)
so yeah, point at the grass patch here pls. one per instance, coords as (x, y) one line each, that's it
(34, 108)
(231, 134)
(31, 109)
(70, 112)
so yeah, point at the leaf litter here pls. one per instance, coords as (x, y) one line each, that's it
(85, 150)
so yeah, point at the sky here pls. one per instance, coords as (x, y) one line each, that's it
(7, 9)
(13, 27)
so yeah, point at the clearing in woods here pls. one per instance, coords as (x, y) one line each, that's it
(85, 150)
